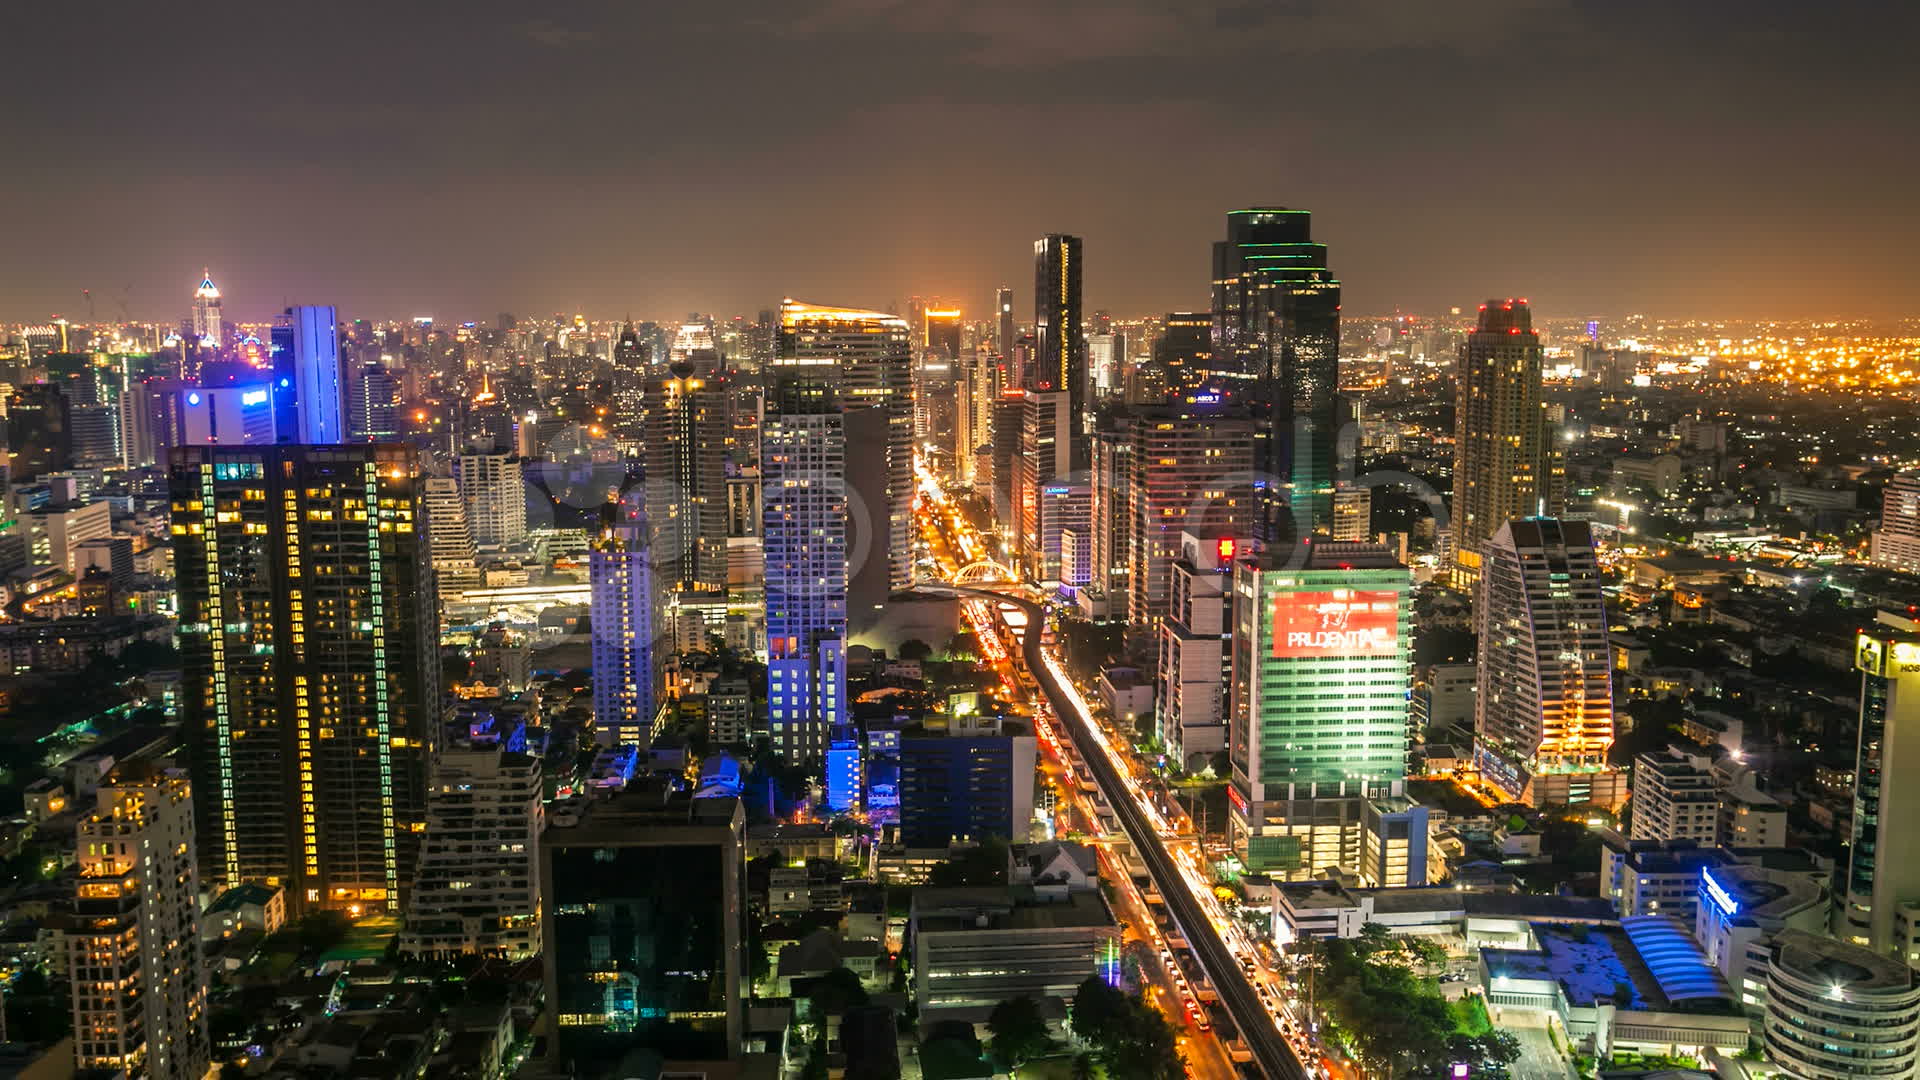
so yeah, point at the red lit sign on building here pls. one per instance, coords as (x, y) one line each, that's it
(1225, 548)
(1336, 622)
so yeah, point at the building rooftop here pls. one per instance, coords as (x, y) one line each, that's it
(1820, 958)
(1006, 908)
(1761, 896)
(1648, 962)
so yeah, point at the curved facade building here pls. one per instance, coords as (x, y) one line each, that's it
(1837, 1011)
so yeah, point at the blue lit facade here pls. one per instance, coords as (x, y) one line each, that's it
(309, 390)
(843, 769)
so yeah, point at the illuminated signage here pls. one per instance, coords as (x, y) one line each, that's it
(1718, 895)
(1336, 622)
(1205, 399)
(254, 397)
(1224, 548)
(1238, 800)
(193, 399)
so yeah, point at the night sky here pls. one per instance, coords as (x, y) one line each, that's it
(1750, 158)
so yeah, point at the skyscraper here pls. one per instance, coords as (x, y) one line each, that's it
(1896, 543)
(872, 351)
(1543, 706)
(1276, 309)
(309, 383)
(39, 432)
(1317, 730)
(1883, 864)
(1191, 468)
(1194, 669)
(1061, 357)
(684, 445)
(495, 491)
(207, 323)
(1500, 448)
(1046, 440)
(1003, 329)
(629, 635)
(643, 931)
(450, 540)
(478, 889)
(310, 666)
(804, 523)
(139, 983)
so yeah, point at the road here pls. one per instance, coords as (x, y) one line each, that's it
(1270, 1050)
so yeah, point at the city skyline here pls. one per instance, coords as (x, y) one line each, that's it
(1638, 170)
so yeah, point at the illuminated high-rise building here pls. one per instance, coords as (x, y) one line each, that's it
(1896, 543)
(451, 541)
(1276, 310)
(495, 490)
(310, 665)
(941, 332)
(1046, 440)
(139, 982)
(684, 445)
(1190, 470)
(1881, 907)
(1543, 706)
(629, 633)
(207, 322)
(1501, 466)
(804, 537)
(309, 383)
(1317, 728)
(1060, 360)
(872, 351)
(1003, 328)
(478, 889)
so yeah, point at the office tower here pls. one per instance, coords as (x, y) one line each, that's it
(373, 400)
(207, 323)
(309, 383)
(1883, 865)
(1352, 513)
(150, 422)
(941, 333)
(1317, 714)
(1500, 450)
(478, 889)
(972, 783)
(227, 416)
(1276, 309)
(872, 351)
(1006, 431)
(643, 902)
(1046, 443)
(488, 423)
(494, 487)
(1837, 1012)
(58, 529)
(139, 983)
(629, 634)
(1066, 551)
(1543, 706)
(96, 436)
(867, 481)
(804, 522)
(1195, 668)
(450, 542)
(684, 446)
(629, 352)
(39, 432)
(1060, 359)
(1110, 458)
(310, 666)
(1896, 543)
(1003, 328)
(1192, 471)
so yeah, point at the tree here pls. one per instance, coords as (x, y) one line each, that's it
(322, 930)
(1083, 1066)
(835, 992)
(915, 649)
(1099, 1011)
(982, 865)
(1019, 1030)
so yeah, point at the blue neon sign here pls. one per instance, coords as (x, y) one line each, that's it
(1720, 897)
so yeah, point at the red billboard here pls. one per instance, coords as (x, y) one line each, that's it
(1336, 622)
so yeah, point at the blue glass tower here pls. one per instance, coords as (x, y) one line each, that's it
(309, 390)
